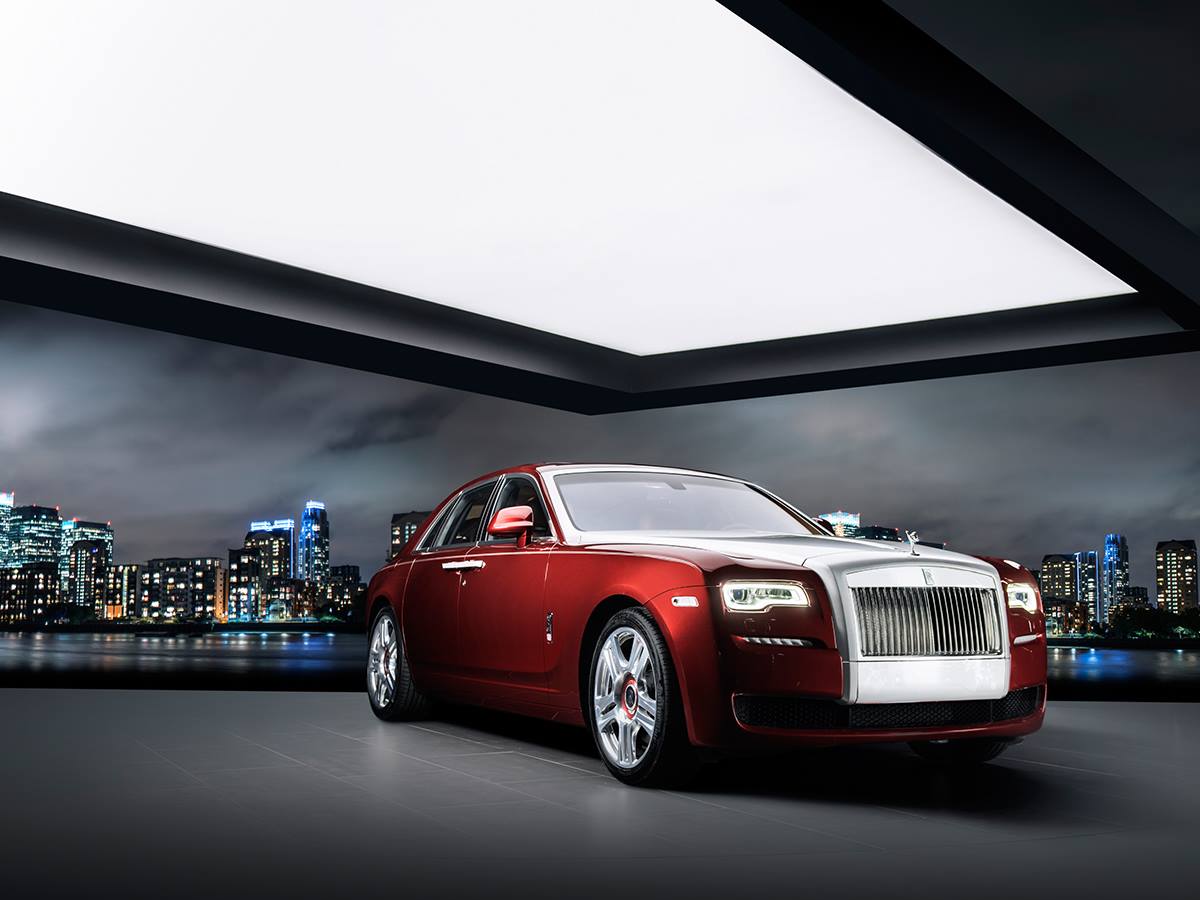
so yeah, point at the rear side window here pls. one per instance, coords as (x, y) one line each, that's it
(463, 523)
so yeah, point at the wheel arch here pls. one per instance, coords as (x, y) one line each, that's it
(601, 613)
(379, 602)
(387, 588)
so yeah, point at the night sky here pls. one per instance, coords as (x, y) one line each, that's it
(180, 442)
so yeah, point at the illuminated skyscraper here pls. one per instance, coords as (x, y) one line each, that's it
(88, 575)
(6, 513)
(122, 590)
(35, 533)
(74, 530)
(312, 550)
(404, 526)
(1175, 575)
(210, 588)
(1087, 580)
(1058, 578)
(275, 543)
(245, 585)
(1114, 575)
(845, 524)
(269, 551)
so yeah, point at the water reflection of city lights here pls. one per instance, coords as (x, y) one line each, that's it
(217, 657)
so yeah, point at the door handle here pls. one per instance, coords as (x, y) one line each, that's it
(464, 564)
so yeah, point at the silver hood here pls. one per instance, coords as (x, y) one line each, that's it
(816, 552)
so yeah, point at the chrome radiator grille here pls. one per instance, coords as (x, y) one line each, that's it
(927, 621)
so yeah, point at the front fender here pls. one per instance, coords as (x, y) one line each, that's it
(690, 633)
(1029, 656)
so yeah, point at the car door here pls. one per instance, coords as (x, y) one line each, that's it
(502, 621)
(432, 593)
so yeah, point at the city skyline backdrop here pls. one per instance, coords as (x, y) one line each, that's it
(181, 442)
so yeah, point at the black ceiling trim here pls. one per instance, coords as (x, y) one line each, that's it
(114, 251)
(821, 362)
(923, 370)
(1095, 321)
(72, 292)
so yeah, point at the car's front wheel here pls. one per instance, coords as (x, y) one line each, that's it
(390, 687)
(634, 705)
(969, 752)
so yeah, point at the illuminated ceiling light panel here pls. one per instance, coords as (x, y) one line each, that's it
(648, 177)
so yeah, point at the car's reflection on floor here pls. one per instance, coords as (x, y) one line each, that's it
(876, 775)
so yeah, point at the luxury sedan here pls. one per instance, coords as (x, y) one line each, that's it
(680, 615)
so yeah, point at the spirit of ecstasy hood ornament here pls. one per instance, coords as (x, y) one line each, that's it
(913, 537)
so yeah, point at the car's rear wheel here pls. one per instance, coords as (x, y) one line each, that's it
(390, 687)
(967, 752)
(634, 705)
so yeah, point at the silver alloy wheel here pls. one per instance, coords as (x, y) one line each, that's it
(625, 697)
(381, 667)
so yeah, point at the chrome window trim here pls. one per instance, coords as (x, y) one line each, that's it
(435, 526)
(446, 511)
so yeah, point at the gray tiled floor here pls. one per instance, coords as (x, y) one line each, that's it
(284, 794)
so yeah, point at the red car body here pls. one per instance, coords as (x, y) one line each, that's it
(517, 632)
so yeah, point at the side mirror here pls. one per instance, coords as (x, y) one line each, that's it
(512, 521)
(828, 525)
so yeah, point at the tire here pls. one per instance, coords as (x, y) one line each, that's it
(390, 688)
(970, 752)
(633, 706)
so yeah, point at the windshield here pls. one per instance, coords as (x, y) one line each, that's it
(659, 501)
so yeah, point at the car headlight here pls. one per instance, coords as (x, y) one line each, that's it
(1022, 596)
(755, 596)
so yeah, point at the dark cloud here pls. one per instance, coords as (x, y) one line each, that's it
(394, 423)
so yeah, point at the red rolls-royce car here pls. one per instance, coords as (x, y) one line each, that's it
(681, 614)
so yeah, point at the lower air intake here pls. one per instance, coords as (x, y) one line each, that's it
(806, 714)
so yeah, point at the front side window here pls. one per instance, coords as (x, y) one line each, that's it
(523, 492)
(664, 502)
(463, 523)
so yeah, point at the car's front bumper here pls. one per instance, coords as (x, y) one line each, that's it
(811, 695)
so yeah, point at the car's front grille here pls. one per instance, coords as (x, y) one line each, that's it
(807, 714)
(927, 621)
